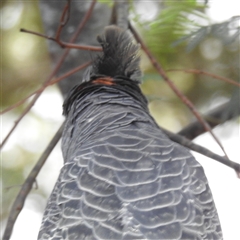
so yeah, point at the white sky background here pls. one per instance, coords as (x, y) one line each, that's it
(223, 181)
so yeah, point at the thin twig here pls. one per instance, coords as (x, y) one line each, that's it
(63, 44)
(64, 19)
(71, 72)
(65, 75)
(197, 71)
(19, 119)
(183, 98)
(27, 186)
(57, 67)
(204, 151)
(81, 47)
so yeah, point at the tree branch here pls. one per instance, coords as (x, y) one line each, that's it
(217, 116)
(183, 98)
(196, 71)
(63, 44)
(27, 186)
(64, 19)
(65, 75)
(57, 67)
(204, 151)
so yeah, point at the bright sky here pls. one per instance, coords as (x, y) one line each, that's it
(221, 10)
(223, 181)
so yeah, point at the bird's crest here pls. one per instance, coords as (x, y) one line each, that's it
(120, 55)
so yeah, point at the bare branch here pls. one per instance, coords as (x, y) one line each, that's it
(64, 19)
(57, 67)
(183, 98)
(27, 186)
(64, 44)
(214, 118)
(204, 151)
(45, 86)
(197, 71)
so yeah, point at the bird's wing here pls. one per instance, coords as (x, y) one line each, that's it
(128, 181)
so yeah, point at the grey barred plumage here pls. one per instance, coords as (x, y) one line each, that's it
(122, 177)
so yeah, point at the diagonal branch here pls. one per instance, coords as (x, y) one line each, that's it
(57, 67)
(27, 186)
(183, 98)
(197, 71)
(71, 72)
(64, 18)
(63, 44)
(204, 151)
(215, 117)
(63, 21)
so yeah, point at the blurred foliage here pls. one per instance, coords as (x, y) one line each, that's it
(24, 61)
(227, 32)
(173, 21)
(24, 65)
(179, 35)
(108, 2)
